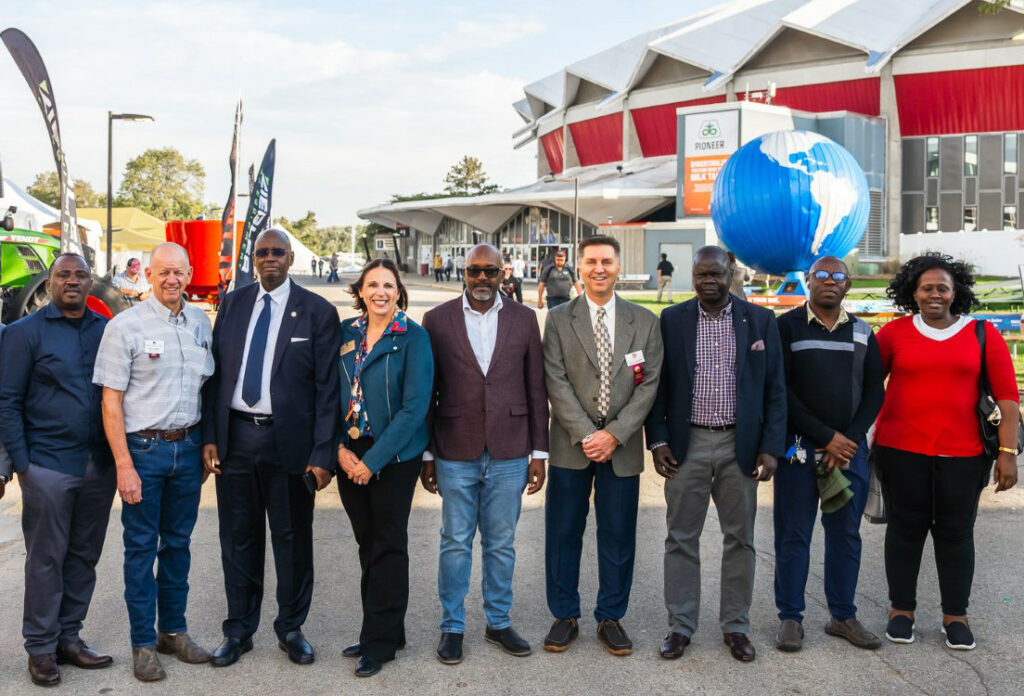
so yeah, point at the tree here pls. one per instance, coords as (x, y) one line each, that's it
(46, 188)
(164, 184)
(993, 6)
(467, 178)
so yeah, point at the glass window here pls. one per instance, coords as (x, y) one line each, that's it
(971, 155)
(970, 218)
(932, 157)
(1010, 153)
(931, 218)
(1009, 217)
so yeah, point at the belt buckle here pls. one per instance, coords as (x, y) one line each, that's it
(262, 420)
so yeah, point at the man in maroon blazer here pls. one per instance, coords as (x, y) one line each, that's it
(489, 441)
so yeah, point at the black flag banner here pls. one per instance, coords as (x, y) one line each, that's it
(257, 219)
(31, 65)
(227, 221)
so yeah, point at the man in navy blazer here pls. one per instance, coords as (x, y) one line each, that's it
(271, 414)
(716, 427)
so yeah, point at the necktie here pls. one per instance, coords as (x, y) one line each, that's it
(252, 381)
(604, 360)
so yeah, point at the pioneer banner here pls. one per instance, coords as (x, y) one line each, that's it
(257, 219)
(227, 220)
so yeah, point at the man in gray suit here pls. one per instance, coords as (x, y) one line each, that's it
(602, 360)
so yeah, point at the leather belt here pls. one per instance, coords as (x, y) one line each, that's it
(166, 435)
(714, 428)
(254, 418)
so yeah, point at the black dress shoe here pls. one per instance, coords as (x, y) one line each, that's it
(43, 670)
(449, 649)
(82, 656)
(508, 640)
(228, 652)
(562, 633)
(367, 666)
(354, 650)
(673, 646)
(739, 646)
(613, 636)
(298, 648)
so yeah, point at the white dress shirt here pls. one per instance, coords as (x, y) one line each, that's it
(609, 318)
(278, 300)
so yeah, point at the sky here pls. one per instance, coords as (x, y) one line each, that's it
(365, 99)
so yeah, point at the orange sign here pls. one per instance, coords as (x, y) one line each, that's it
(699, 175)
(710, 138)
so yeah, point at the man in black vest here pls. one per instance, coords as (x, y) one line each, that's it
(834, 383)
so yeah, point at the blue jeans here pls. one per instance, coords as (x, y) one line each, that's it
(485, 493)
(796, 507)
(566, 506)
(159, 528)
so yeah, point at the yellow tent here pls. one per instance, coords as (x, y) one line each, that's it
(133, 229)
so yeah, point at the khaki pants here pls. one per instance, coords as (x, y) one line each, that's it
(665, 284)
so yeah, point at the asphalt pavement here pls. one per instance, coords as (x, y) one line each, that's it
(827, 665)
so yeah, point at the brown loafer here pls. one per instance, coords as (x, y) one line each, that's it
(853, 631)
(43, 669)
(146, 665)
(673, 646)
(82, 656)
(739, 646)
(182, 646)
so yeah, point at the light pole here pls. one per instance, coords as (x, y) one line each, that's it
(111, 117)
(575, 239)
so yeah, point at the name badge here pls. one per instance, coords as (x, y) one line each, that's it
(636, 358)
(348, 347)
(153, 347)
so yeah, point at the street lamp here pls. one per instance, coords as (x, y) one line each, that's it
(575, 209)
(111, 117)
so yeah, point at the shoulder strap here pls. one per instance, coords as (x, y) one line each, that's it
(979, 332)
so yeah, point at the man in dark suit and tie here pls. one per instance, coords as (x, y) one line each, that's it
(715, 430)
(270, 416)
(489, 441)
(602, 362)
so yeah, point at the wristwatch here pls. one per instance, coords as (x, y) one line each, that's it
(1009, 450)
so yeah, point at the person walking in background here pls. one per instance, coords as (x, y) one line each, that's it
(320, 266)
(438, 266)
(487, 353)
(312, 266)
(51, 428)
(519, 267)
(387, 377)
(460, 265)
(270, 418)
(602, 363)
(715, 430)
(559, 281)
(332, 275)
(665, 269)
(829, 416)
(511, 286)
(152, 363)
(927, 440)
(448, 266)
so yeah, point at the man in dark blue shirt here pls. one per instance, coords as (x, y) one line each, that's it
(50, 424)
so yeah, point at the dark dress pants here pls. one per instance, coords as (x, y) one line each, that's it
(379, 513)
(254, 486)
(64, 520)
(566, 506)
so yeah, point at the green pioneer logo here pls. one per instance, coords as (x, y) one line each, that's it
(710, 129)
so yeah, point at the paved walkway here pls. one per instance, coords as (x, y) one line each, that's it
(826, 666)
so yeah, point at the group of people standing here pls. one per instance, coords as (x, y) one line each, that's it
(277, 399)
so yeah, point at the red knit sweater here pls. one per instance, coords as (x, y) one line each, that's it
(932, 396)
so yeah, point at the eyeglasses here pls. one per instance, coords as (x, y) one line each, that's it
(276, 252)
(838, 276)
(476, 271)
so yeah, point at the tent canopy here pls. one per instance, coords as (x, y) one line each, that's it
(134, 230)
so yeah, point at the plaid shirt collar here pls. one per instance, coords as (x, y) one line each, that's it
(725, 312)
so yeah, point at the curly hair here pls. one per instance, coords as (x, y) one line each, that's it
(355, 288)
(904, 284)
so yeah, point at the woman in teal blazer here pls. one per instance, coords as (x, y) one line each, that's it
(387, 377)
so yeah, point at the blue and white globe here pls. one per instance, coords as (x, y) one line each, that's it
(787, 198)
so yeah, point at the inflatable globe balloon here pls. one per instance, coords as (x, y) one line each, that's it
(787, 198)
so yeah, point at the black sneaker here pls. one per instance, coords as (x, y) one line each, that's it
(508, 640)
(959, 636)
(563, 632)
(900, 629)
(614, 638)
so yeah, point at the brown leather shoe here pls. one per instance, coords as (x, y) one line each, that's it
(43, 669)
(739, 646)
(853, 631)
(182, 646)
(82, 656)
(673, 646)
(146, 665)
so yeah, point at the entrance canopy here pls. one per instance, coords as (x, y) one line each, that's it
(134, 230)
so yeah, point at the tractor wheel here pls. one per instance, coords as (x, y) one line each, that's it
(32, 297)
(105, 299)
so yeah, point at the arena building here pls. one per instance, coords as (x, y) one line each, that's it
(927, 94)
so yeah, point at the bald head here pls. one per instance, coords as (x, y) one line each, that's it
(279, 237)
(830, 263)
(484, 254)
(169, 272)
(168, 251)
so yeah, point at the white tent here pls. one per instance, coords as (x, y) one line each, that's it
(303, 254)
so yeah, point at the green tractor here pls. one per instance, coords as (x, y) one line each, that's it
(25, 258)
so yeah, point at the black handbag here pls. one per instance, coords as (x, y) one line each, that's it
(989, 415)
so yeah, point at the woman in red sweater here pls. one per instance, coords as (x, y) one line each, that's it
(927, 440)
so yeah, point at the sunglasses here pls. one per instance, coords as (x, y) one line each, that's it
(838, 276)
(476, 271)
(276, 252)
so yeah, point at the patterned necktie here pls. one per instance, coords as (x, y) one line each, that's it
(604, 361)
(252, 381)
